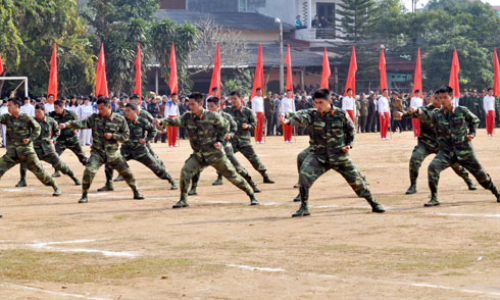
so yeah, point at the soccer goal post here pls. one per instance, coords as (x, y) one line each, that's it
(23, 79)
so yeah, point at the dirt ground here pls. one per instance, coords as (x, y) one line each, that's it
(221, 248)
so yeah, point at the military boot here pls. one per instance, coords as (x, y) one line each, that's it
(56, 174)
(84, 198)
(252, 184)
(57, 191)
(433, 202)
(471, 185)
(267, 179)
(181, 203)
(108, 187)
(75, 180)
(297, 199)
(119, 178)
(412, 189)
(138, 196)
(296, 186)
(304, 207)
(192, 191)
(376, 207)
(21, 183)
(495, 191)
(253, 200)
(170, 179)
(218, 181)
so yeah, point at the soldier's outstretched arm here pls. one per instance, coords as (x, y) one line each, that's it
(300, 119)
(77, 124)
(173, 122)
(36, 129)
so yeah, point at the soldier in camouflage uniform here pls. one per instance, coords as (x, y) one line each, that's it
(206, 131)
(332, 139)
(141, 132)
(44, 146)
(213, 104)
(427, 145)
(108, 130)
(242, 140)
(22, 130)
(68, 138)
(146, 115)
(455, 128)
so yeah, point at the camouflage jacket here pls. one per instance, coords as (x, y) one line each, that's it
(114, 124)
(49, 132)
(146, 115)
(330, 132)
(232, 127)
(427, 130)
(310, 128)
(22, 127)
(66, 116)
(452, 127)
(203, 132)
(140, 128)
(240, 116)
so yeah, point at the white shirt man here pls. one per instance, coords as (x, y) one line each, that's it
(489, 103)
(416, 102)
(27, 108)
(385, 115)
(349, 103)
(172, 111)
(489, 109)
(383, 105)
(4, 110)
(49, 105)
(287, 105)
(258, 111)
(257, 104)
(85, 111)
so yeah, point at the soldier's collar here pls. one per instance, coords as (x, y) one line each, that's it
(110, 117)
(134, 121)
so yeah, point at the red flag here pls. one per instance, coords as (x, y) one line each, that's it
(173, 81)
(53, 75)
(258, 81)
(138, 74)
(496, 78)
(289, 76)
(326, 71)
(351, 76)
(417, 81)
(101, 84)
(455, 69)
(1, 65)
(383, 71)
(215, 82)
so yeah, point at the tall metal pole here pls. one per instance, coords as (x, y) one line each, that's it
(282, 59)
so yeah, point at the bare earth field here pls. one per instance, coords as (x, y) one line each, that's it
(221, 248)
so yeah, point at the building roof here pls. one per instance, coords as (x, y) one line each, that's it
(241, 21)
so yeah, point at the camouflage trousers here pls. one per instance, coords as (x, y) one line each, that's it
(72, 144)
(196, 162)
(32, 163)
(53, 159)
(236, 164)
(112, 159)
(249, 152)
(155, 156)
(315, 165)
(420, 152)
(146, 158)
(443, 160)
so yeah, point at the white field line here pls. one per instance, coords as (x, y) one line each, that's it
(38, 290)
(415, 284)
(48, 246)
(468, 215)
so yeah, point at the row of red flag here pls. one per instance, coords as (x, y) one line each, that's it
(102, 85)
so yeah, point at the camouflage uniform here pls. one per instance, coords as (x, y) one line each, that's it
(452, 127)
(228, 148)
(146, 115)
(104, 151)
(203, 133)
(68, 138)
(45, 149)
(242, 140)
(330, 133)
(427, 145)
(133, 149)
(18, 128)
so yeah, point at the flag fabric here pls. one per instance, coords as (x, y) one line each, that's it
(289, 75)
(325, 76)
(383, 71)
(101, 84)
(138, 73)
(173, 81)
(417, 81)
(215, 82)
(258, 81)
(351, 76)
(52, 90)
(1, 64)
(455, 69)
(496, 83)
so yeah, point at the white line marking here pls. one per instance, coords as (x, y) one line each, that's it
(250, 268)
(17, 190)
(28, 288)
(468, 215)
(47, 246)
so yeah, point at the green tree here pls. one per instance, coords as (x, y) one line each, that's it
(355, 17)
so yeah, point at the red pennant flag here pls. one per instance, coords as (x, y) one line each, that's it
(383, 71)
(496, 83)
(138, 74)
(289, 76)
(326, 71)
(215, 82)
(258, 81)
(1, 65)
(53, 75)
(455, 69)
(173, 81)
(101, 84)
(351, 76)
(417, 81)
